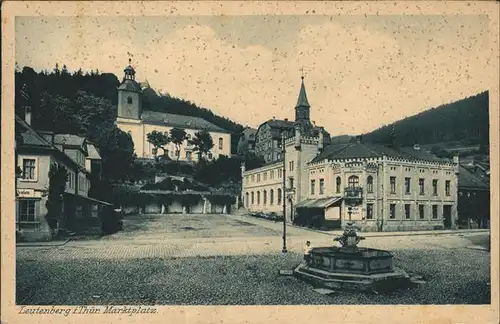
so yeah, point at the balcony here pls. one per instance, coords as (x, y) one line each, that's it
(353, 195)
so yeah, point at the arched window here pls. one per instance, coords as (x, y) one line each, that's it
(338, 183)
(221, 143)
(264, 194)
(353, 181)
(271, 197)
(258, 197)
(246, 199)
(279, 196)
(253, 196)
(369, 184)
(129, 100)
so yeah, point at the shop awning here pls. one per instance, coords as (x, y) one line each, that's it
(318, 203)
(100, 202)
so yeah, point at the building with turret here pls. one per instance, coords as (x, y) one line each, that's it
(378, 187)
(132, 119)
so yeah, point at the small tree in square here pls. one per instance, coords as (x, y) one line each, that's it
(202, 143)
(159, 140)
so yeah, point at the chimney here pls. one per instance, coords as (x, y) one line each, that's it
(320, 141)
(286, 119)
(27, 115)
(416, 147)
(456, 159)
(243, 167)
(274, 117)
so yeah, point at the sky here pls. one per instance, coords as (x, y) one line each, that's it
(361, 72)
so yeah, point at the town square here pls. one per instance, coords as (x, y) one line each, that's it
(307, 160)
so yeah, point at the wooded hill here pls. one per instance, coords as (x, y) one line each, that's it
(466, 121)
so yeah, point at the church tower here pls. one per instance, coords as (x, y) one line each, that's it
(302, 115)
(129, 95)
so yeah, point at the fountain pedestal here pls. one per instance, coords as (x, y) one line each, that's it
(351, 267)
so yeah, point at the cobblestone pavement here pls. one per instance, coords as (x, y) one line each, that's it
(238, 235)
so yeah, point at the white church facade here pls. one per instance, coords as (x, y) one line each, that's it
(132, 119)
(380, 188)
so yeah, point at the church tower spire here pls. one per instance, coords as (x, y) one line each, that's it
(129, 95)
(302, 114)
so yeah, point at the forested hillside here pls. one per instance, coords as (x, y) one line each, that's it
(466, 121)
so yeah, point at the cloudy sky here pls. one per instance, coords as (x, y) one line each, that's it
(360, 71)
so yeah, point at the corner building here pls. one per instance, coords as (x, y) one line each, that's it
(384, 188)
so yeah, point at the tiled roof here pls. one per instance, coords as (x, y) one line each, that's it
(29, 136)
(155, 117)
(130, 85)
(93, 153)
(467, 179)
(68, 139)
(369, 150)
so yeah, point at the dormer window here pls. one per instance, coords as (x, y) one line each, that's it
(129, 100)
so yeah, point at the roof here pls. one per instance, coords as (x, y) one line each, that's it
(370, 150)
(29, 136)
(277, 126)
(467, 179)
(318, 203)
(155, 117)
(93, 153)
(130, 85)
(302, 101)
(69, 140)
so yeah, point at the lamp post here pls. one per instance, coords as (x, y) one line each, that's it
(284, 196)
(349, 211)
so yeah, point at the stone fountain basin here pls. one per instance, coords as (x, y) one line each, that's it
(350, 268)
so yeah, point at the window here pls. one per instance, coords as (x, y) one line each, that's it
(447, 187)
(221, 143)
(70, 183)
(246, 199)
(290, 165)
(271, 197)
(421, 211)
(279, 196)
(27, 210)
(434, 211)
(407, 211)
(258, 197)
(321, 186)
(392, 211)
(269, 157)
(29, 169)
(129, 100)
(291, 183)
(253, 196)
(313, 184)
(280, 173)
(353, 182)
(265, 176)
(435, 187)
(407, 186)
(253, 177)
(369, 211)
(338, 183)
(421, 185)
(369, 184)
(258, 177)
(393, 185)
(264, 196)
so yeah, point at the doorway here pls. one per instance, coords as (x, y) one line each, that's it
(447, 216)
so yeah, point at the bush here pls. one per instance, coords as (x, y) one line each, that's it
(111, 221)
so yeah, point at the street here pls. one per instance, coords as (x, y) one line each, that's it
(234, 259)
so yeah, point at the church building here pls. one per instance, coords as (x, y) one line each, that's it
(378, 187)
(132, 119)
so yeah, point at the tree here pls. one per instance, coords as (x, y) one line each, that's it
(202, 143)
(177, 136)
(159, 140)
(58, 176)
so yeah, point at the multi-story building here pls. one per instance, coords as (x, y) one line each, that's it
(138, 123)
(268, 136)
(36, 152)
(380, 188)
(246, 142)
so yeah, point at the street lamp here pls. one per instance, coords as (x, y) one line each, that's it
(284, 191)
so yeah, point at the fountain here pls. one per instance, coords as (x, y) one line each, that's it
(351, 267)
